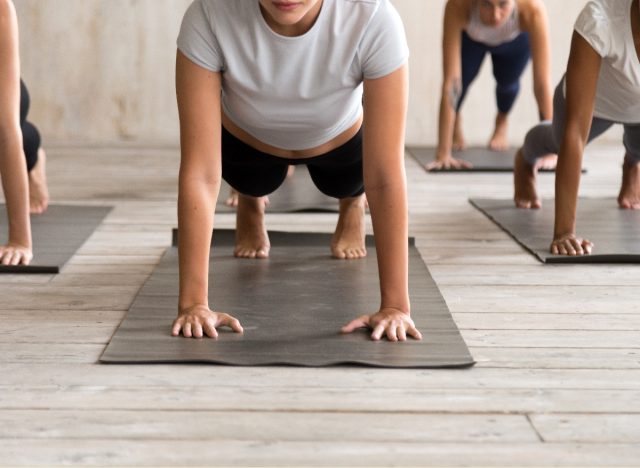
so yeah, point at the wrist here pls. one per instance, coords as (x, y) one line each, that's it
(403, 306)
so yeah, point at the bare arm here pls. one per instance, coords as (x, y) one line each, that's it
(13, 167)
(385, 182)
(198, 93)
(455, 19)
(537, 25)
(581, 80)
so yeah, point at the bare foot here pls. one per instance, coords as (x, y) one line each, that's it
(348, 239)
(499, 141)
(524, 179)
(252, 240)
(629, 197)
(458, 134)
(548, 162)
(38, 190)
(232, 199)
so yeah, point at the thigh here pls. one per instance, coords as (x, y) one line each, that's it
(510, 60)
(248, 170)
(472, 55)
(339, 174)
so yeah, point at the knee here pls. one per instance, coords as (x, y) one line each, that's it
(339, 187)
(253, 183)
(538, 142)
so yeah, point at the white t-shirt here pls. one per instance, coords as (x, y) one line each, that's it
(606, 26)
(294, 92)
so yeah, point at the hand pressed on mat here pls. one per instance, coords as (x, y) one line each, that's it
(572, 245)
(198, 321)
(13, 254)
(393, 323)
(448, 162)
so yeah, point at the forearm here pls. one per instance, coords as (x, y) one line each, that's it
(567, 183)
(196, 205)
(388, 207)
(447, 116)
(15, 183)
(544, 98)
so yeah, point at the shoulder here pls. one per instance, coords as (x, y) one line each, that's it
(596, 23)
(458, 11)
(532, 13)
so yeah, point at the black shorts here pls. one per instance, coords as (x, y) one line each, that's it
(337, 173)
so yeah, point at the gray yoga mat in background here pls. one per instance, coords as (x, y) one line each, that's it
(292, 307)
(483, 159)
(614, 232)
(297, 194)
(57, 235)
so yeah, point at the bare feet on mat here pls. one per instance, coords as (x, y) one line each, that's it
(629, 197)
(38, 190)
(458, 135)
(499, 140)
(548, 162)
(524, 179)
(348, 239)
(252, 240)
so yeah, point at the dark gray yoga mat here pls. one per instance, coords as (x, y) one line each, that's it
(297, 194)
(57, 235)
(483, 159)
(614, 232)
(292, 307)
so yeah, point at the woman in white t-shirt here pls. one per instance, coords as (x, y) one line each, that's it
(601, 88)
(264, 84)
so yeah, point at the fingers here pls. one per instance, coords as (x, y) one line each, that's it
(414, 332)
(200, 321)
(571, 246)
(227, 320)
(360, 322)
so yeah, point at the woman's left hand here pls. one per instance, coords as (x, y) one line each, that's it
(393, 323)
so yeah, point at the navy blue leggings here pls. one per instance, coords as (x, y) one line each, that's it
(30, 135)
(509, 61)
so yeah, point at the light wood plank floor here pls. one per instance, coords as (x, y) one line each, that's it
(558, 347)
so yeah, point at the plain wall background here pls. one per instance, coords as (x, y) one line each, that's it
(102, 71)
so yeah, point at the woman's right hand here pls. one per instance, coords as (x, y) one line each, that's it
(572, 245)
(13, 254)
(198, 321)
(447, 162)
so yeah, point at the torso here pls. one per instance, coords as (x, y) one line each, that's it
(490, 35)
(250, 140)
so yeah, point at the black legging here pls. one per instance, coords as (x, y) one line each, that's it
(337, 173)
(30, 135)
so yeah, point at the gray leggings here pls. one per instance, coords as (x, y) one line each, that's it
(546, 137)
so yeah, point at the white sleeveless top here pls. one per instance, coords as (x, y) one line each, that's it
(294, 92)
(490, 35)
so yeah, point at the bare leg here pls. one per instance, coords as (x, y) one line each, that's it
(499, 140)
(458, 134)
(252, 240)
(291, 170)
(38, 190)
(629, 197)
(524, 178)
(348, 239)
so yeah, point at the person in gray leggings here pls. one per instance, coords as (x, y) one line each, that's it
(601, 88)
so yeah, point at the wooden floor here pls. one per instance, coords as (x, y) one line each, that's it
(558, 348)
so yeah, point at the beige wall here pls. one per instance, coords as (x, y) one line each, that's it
(102, 70)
